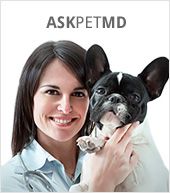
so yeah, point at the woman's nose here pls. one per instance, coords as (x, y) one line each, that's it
(65, 105)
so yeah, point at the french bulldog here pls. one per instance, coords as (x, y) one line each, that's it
(118, 99)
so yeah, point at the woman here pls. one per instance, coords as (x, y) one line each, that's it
(51, 112)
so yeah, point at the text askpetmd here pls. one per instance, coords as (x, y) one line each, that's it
(86, 22)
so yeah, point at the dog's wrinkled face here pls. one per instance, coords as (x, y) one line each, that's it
(118, 99)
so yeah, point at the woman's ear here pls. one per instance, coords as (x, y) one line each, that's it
(96, 64)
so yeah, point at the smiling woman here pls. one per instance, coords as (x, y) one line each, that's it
(46, 67)
(59, 106)
(55, 92)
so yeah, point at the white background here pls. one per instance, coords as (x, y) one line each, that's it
(130, 49)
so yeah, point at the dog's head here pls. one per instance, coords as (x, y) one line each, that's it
(119, 98)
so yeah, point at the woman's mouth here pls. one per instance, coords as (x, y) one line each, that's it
(63, 121)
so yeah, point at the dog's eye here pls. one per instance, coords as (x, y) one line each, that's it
(101, 91)
(135, 97)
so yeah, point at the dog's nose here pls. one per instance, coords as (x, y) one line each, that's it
(115, 99)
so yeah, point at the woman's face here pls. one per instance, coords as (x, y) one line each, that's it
(60, 103)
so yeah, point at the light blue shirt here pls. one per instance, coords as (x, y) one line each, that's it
(36, 158)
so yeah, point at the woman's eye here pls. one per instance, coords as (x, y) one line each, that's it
(78, 94)
(101, 91)
(52, 92)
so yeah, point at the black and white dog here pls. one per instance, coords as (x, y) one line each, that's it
(118, 99)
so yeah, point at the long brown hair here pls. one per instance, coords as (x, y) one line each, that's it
(24, 128)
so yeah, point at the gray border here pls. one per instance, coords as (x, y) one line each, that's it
(85, 0)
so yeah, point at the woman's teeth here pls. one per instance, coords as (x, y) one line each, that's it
(62, 121)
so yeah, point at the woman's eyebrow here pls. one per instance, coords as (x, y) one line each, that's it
(49, 85)
(79, 88)
(57, 87)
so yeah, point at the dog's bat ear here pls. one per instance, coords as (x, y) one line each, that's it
(96, 64)
(155, 76)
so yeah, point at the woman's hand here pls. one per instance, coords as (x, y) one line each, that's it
(111, 165)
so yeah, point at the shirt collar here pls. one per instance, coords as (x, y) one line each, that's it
(35, 158)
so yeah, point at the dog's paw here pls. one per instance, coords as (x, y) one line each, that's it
(90, 144)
